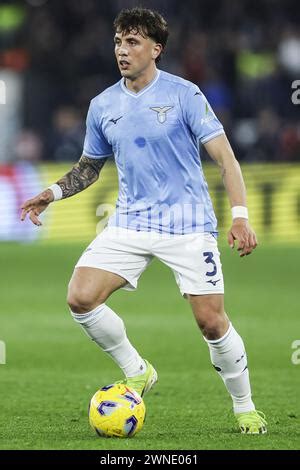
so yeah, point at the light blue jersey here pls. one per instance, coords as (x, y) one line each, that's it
(154, 136)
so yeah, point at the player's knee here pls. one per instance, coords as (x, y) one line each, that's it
(81, 298)
(213, 325)
(82, 301)
(78, 304)
(213, 329)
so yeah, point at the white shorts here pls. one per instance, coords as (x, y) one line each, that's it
(194, 258)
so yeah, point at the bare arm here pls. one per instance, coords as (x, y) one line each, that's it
(221, 152)
(84, 173)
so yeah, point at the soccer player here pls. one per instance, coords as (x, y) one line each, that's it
(153, 123)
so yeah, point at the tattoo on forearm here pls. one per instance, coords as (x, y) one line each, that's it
(82, 175)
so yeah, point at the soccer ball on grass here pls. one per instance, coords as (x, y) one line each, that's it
(116, 410)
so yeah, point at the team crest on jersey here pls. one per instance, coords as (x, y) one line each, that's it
(161, 112)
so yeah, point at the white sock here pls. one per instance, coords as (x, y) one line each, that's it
(229, 358)
(107, 329)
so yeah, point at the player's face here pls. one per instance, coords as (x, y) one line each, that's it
(135, 54)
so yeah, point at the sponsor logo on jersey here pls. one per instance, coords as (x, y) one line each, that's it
(115, 120)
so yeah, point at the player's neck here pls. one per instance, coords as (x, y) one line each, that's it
(137, 84)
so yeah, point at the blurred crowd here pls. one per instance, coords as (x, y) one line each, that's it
(244, 55)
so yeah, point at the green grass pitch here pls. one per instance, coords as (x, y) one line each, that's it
(53, 369)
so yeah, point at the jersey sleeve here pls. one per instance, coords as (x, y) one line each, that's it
(200, 117)
(95, 144)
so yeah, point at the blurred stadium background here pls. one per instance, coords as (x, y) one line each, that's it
(54, 57)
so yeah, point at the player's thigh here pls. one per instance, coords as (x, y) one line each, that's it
(90, 287)
(125, 253)
(114, 259)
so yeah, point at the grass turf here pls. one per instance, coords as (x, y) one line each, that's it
(53, 369)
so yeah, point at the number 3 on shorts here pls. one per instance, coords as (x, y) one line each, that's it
(209, 260)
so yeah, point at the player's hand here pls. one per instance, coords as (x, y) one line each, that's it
(244, 235)
(35, 206)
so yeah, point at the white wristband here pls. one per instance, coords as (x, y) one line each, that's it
(57, 191)
(239, 211)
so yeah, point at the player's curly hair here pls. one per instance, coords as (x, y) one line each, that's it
(148, 23)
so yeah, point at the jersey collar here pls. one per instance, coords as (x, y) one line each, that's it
(143, 90)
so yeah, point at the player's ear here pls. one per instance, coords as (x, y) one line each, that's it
(157, 48)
